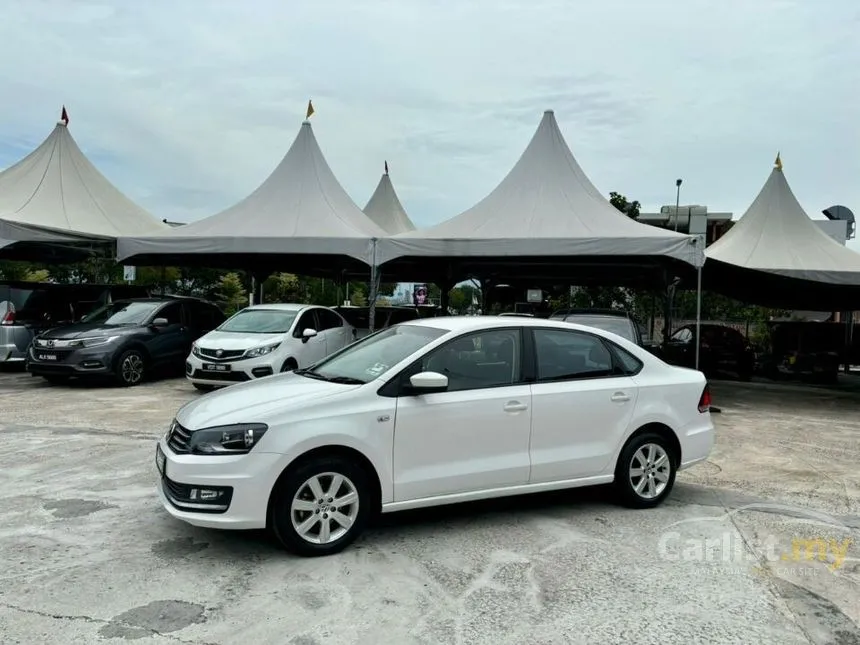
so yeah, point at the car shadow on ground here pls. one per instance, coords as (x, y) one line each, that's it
(440, 519)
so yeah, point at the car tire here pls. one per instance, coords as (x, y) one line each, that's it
(202, 387)
(289, 365)
(130, 368)
(649, 456)
(55, 379)
(296, 502)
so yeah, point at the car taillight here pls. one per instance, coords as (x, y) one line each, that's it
(8, 318)
(705, 400)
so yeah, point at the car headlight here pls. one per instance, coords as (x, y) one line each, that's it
(94, 341)
(237, 439)
(261, 351)
(195, 349)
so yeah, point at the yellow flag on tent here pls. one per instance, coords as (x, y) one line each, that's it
(310, 110)
(778, 163)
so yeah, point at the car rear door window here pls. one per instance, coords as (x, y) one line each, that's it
(565, 355)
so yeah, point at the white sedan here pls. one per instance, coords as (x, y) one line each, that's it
(433, 412)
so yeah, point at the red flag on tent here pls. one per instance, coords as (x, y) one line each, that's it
(64, 117)
(386, 167)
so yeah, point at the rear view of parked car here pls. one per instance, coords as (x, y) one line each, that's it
(723, 350)
(263, 340)
(126, 340)
(611, 320)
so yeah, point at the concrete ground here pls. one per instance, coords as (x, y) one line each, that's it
(88, 556)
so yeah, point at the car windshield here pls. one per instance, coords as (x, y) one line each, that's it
(612, 324)
(260, 321)
(122, 313)
(374, 355)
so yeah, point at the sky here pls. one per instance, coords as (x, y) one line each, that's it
(187, 106)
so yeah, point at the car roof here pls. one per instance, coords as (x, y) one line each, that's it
(606, 313)
(282, 306)
(476, 323)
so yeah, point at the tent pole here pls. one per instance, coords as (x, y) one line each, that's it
(374, 290)
(698, 311)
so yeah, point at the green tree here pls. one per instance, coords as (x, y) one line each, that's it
(631, 209)
(232, 293)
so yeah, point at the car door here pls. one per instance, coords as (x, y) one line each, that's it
(475, 435)
(581, 405)
(169, 343)
(332, 330)
(309, 350)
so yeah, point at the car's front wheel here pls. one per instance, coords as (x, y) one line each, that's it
(645, 473)
(130, 368)
(321, 506)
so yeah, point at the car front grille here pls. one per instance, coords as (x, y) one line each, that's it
(225, 355)
(179, 439)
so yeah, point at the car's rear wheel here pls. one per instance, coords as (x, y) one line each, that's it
(289, 365)
(321, 506)
(203, 387)
(645, 473)
(130, 368)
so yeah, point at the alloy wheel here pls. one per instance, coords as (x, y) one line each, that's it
(324, 508)
(650, 470)
(132, 369)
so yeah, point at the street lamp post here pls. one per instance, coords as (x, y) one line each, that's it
(677, 200)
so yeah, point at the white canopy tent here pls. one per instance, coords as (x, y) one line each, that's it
(300, 218)
(545, 207)
(385, 209)
(776, 255)
(56, 194)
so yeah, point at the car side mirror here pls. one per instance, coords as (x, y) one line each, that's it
(428, 382)
(160, 322)
(307, 334)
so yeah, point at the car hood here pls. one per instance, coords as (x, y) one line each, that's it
(87, 330)
(237, 340)
(255, 401)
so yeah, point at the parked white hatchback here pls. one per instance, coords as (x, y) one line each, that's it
(432, 412)
(263, 340)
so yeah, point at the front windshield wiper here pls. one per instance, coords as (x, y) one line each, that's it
(345, 380)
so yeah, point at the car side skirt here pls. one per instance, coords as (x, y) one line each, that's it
(507, 491)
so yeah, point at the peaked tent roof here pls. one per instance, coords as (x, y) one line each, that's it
(385, 209)
(545, 207)
(300, 209)
(56, 189)
(777, 255)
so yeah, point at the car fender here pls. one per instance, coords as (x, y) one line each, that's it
(373, 441)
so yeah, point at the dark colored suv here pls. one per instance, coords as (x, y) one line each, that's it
(611, 320)
(126, 339)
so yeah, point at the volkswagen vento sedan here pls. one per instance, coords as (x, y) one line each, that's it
(433, 412)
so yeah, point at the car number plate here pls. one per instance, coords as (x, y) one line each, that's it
(215, 367)
(46, 357)
(160, 461)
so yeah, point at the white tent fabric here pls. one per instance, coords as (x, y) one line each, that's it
(301, 208)
(56, 188)
(776, 236)
(545, 206)
(385, 209)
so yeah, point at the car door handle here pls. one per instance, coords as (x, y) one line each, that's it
(620, 397)
(515, 406)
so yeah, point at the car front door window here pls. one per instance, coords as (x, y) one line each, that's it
(488, 359)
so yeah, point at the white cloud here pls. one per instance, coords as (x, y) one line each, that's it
(188, 106)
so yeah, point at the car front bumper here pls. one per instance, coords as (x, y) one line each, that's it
(230, 372)
(93, 361)
(245, 482)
